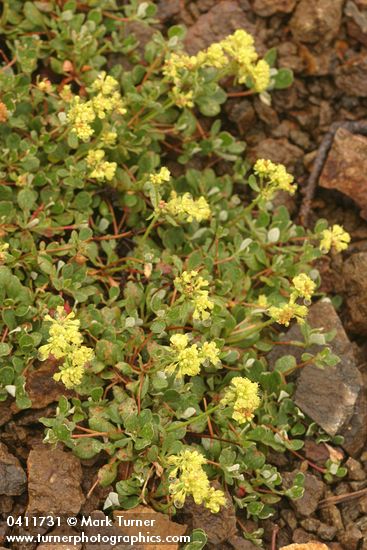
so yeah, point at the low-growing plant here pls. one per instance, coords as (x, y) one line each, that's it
(145, 256)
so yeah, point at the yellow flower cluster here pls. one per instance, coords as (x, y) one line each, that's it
(335, 237)
(235, 55)
(65, 342)
(189, 359)
(243, 396)
(285, 313)
(187, 209)
(102, 169)
(82, 114)
(192, 286)
(163, 176)
(189, 478)
(304, 286)
(277, 176)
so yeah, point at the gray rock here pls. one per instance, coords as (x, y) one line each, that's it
(12, 476)
(313, 492)
(316, 20)
(354, 270)
(54, 479)
(334, 396)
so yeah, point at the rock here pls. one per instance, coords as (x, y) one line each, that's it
(346, 166)
(167, 10)
(223, 19)
(42, 388)
(265, 8)
(354, 270)
(338, 407)
(317, 452)
(310, 524)
(218, 527)
(242, 114)
(162, 526)
(331, 515)
(326, 532)
(351, 77)
(54, 479)
(277, 150)
(240, 543)
(12, 476)
(6, 413)
(306, 546)
(316, 20)
(313, 491)
(351, 537)
(355, 470)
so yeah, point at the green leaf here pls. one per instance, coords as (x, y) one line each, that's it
(283, 79)
(87, 447)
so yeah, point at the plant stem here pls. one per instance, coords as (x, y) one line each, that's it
(149, 228)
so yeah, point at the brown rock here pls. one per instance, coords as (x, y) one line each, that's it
(354, 270)
(223, 19)
(355, 470)
(351, 537)
(277, 150)
(346, 166)
(218, 527)
(313, 491)
(12, 476)
(5, 412)
(42, 388)
(54, 479)
(269, 7)
(162, 526)
(351, 77)
(306, 546)
(316, 20)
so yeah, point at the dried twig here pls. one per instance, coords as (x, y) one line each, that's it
(342, 498)
(355, 127)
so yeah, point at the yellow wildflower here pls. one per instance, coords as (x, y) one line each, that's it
(70, 376)
(65, 342)
(202, 304)
(285, 313)
(81, 115)
(105, 84)
(262, 301)
(243, 396)
(44, 86)
(63, 333)
(304, 286)
(163, 176)
(277, 176)
(182, 98)
(192, 285)
(189, 359)
(335, 237)
(189, 478)
(102, 169)
(109, 138)
(210, 352)
(186, 209)
(260, 75)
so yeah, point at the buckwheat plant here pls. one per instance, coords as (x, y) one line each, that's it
(148, 290)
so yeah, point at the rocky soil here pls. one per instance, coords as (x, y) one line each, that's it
(325, 43)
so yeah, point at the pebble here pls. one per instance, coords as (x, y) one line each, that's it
(12, 476)
(316, 20)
